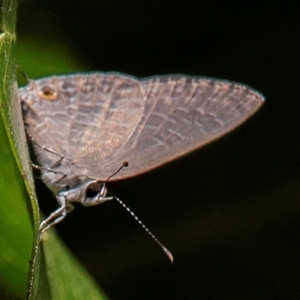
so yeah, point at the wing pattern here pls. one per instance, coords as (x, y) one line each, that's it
(100, 120)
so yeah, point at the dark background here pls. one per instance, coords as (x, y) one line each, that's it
(230, 213)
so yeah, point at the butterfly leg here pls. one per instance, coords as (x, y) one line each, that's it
(34, 166)
(57, 216)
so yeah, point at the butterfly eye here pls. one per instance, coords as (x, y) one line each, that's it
(93, 189)
(48, 93)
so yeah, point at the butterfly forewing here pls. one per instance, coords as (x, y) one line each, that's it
(182, 114)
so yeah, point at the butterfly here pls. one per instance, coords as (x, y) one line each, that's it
(85, 126)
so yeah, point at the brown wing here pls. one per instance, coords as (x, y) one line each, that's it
(181, 114)
(84, 117)
(100, 120)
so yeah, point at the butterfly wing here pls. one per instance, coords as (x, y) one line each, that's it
(86, 118)
(180, 115)
(100, 120)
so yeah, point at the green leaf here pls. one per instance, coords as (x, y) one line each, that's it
(16, 230)
(58, 275)
(45, 269)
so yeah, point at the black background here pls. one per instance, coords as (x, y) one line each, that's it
(230, 213)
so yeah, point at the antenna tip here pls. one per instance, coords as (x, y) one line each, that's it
(125, 164)
(169, 255)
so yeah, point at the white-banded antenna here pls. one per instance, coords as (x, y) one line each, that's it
(164, 249)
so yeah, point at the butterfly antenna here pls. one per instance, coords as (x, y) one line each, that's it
(164, 249)
(124, 165)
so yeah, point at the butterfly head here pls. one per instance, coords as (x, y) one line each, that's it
(88, 193)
